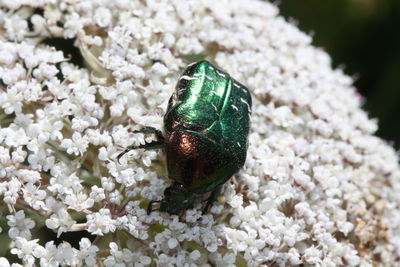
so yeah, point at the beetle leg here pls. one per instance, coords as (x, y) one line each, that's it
(159, 143)
(151, 130)
(150, 206)
(212, 198)
(151, 145)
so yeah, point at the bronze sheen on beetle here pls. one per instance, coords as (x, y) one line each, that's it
(206, 127)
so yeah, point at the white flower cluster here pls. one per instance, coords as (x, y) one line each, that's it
(317, 187)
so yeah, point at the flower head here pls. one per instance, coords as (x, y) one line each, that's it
(317, 188)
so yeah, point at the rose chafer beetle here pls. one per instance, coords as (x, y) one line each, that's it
(205, 135)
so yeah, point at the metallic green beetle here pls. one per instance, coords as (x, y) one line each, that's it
(206, 127)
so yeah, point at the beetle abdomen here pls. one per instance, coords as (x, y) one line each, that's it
(197, 162)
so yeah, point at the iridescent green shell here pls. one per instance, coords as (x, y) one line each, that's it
(206, 125)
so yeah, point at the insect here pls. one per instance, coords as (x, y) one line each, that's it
(205, 136)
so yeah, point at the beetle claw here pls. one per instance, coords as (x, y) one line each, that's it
(123, 153)
(206, 207)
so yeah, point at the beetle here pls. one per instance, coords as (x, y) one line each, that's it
(206, 126)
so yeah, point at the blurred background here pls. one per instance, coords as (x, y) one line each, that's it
(363, 37)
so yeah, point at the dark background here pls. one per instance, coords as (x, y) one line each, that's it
(364, 37)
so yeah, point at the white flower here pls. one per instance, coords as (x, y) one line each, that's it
(312, 256)
(116, 197)
(19, 225)
(66, 255)
(98, 138)
(4, 155)
(80, 124)
(117, 256)
(26, 250)
(41, 160)
(52, 255)
(107, 183)
(8, 53)
(317, 187)
(352, 258)
(63, 183)
(97, 193)
(78, 202)
(195, 254)
(100, 223)
(73, 25)
(18, 156)
(294, 256)
(32, 90)
(87, 252)
(77, 145)
(16, 138)
(61, 221)
(236, 201)
(48, 256)
(11, 76)
(4, 262)
(45, 71)
(11, 195)
(102, 16)
(28, 176)
(34, 196)
(125, 257)
(39, 24)
(16, 27)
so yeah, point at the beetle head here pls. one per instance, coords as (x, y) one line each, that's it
(176, 198)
